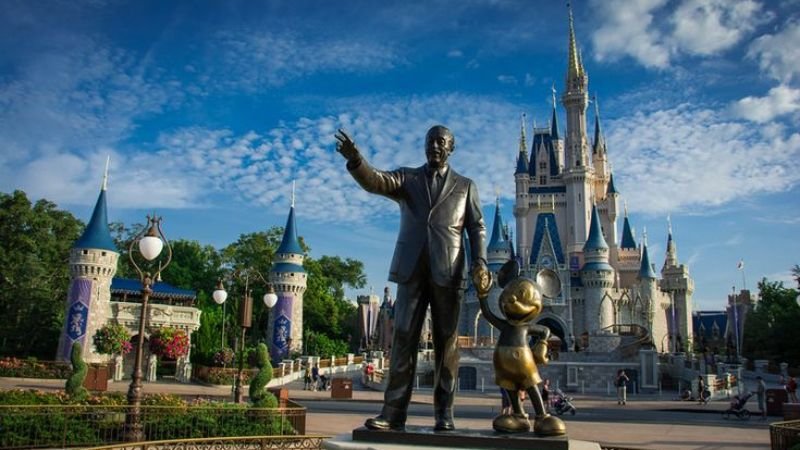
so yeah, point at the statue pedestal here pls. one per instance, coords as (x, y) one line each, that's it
(422, 437)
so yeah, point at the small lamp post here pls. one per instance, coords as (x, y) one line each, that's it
(219, 296)
(150, 241)
(245, 322)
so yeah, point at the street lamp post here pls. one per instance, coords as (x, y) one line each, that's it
(245, 319)
(150, 241)
(220, 295)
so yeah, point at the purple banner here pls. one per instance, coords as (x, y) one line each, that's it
(80, 297)
(282, 326)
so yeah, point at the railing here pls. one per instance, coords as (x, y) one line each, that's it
(469, 341)
(46, 426)
(232, 443)
(255, 442)
(784, 435)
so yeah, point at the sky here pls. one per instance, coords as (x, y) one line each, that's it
(209, 110)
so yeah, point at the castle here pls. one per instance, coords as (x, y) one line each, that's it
(566, 210)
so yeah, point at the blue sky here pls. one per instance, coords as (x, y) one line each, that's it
(210, 109)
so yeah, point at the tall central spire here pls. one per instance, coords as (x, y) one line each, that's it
(575, 67)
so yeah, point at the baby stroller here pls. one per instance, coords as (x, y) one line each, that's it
(737, 407)
(562, 403)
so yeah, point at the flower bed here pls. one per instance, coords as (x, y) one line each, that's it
(33, 368)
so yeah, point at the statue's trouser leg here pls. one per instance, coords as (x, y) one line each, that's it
(409, 315)
(536, 400)
(445, 312)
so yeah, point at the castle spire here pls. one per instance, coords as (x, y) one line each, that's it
(97, 235)
(289, 243)
(522, 158)
(554, 120)
(575, 67)
(628, 241)
(596, 240)
(498, 240)
(599, 142)
(646, 270)
(671, 259)
(611, 188)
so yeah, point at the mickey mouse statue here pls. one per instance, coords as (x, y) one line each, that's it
(514, 361)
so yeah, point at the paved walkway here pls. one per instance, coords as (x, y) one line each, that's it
(753, 434)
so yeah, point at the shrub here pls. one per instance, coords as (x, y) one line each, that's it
(74, 386)
(258, 387)
(33, 368)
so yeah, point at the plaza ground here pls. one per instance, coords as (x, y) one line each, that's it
(646, 422)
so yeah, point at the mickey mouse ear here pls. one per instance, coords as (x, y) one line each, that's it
(549, 283)
(508, 272)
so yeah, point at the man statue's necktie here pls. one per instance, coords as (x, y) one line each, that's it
(436, 185)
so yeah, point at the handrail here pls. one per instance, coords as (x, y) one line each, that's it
(310, 441)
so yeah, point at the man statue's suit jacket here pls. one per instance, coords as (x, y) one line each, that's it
(439, 222)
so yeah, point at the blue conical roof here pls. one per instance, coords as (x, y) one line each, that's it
(611, 188)
(595, 240)
(289, 243)
(646, 270)
(498, 240)
(522, 163)
(598, 136)
(554, 125)
(627, 235)
(96, 235)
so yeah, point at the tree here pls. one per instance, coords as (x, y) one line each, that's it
(325, 309)
(35, 241)
(771, 329)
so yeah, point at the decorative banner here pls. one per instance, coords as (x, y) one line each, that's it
(282, 327)
(80, 297)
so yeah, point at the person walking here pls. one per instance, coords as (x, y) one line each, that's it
(791, 389)
(701, 391)
(622, 387)
(761, 391)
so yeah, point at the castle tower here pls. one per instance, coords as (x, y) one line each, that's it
(385, 322)
(289, 278)
(522, 181)
(679, 285)
(599, 157)
(578, 175)
(597, 276)
(368, 310)
(648, 286)
(92, 264)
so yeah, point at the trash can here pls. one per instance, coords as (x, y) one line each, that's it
(342, 388)
(791, 411)
(775, 400)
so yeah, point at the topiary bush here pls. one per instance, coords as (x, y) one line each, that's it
(258, 386)
(74, 386)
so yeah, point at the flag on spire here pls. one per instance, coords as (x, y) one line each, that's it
(740, 265)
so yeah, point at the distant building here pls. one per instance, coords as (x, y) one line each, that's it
(369, 307)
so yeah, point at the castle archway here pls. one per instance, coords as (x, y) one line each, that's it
(557, 328)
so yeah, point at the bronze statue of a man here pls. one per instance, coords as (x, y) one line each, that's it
(429, 266)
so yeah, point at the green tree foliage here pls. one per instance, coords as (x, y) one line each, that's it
(321, 345)
(771, 329)
(35, 240)
(325, 308)
(74, 386)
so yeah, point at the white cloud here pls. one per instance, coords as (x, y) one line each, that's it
(778, 53)
(648, 32)
(252, 60)
(507, 79)
(779, 101)
(626, 29)
(692, 159)
(704, 27)
(455, 53)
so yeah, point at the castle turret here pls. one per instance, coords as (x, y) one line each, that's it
(92, 264)
(289, 279)
(679, 285)
(597, 276)
(498, 252)
(522, 182)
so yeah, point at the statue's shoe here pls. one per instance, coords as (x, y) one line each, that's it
(381, 423)
(548, 425)
(511, 423)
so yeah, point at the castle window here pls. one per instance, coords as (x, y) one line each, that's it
(543, 165)
(86, 252)
(542, 179)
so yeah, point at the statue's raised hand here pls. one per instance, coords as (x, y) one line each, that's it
(346, 146)
(482, 279)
